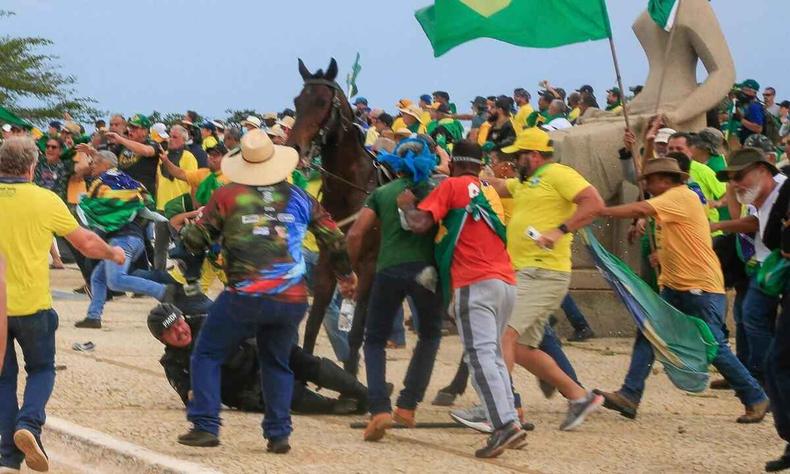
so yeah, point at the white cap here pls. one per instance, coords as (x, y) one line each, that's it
(7, 127)
(160, 130)
(252, 120)
(663, 134)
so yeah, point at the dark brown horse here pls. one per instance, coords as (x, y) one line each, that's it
(325, 126)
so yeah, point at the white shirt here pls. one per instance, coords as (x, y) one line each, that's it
(761, 252)
(558, 124)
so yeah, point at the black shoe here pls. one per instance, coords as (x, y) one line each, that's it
(510, 435)
(778, 464)
(35, 456)
(199, 439)
(83, 290)
(582, 335)
(278, 446)
(171, 293)
(88, 323)
(345, 406)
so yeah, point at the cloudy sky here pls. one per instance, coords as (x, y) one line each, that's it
(142, 55)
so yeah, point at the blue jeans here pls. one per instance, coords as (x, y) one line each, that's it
(109, 275)
(390, 288)
(552, 346)
(574, 314)
(232, 319)
(337, 338)
(759, 317)
(35, 334)
(710, 307)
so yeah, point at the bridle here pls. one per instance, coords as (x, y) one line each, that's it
(321, 138)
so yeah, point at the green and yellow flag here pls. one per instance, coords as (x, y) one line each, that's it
(529, 23)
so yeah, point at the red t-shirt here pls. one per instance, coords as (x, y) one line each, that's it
(479, 254)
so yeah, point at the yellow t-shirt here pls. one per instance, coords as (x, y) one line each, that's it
(171, 188)
(76, 186)
(398, 123)
(482, 134)
(29, 217)
(309, 242)
(493, 199)
(195, 177)
(543, 201)
(424, 120)
(684, 244)
(209, 142)
(574, 114)
(520, 120)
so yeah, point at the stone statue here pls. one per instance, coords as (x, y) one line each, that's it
(592, 147)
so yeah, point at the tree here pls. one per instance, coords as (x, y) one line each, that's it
(235, 117)
(29, 75)
(169, 119)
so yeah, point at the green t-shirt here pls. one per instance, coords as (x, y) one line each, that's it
(711, 187)
(397, 245)
(718, 163)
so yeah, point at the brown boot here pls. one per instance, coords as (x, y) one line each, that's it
(720, 384)
(617, 402)
(754, 413)
(377, 426)
(405, 417)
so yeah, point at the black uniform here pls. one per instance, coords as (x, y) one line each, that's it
(241, 384)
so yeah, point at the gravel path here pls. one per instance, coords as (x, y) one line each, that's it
(120, 389)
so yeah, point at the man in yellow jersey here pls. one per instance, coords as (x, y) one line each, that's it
(691, 280)
(29, 217)
(522, 97)
(551, 202)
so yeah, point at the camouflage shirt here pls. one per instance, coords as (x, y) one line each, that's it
(260, 229)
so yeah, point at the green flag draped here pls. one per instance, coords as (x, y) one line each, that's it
(529, 23)
(663, 12)
(452, 225)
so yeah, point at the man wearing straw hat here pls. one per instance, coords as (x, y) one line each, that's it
(260, 220)
(691, 281)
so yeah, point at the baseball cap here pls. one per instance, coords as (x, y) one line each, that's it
(55, 124)
(427, 99)
(140, 121)
(616, 91)
(585, 88)
(208, 126)
(6, 127)
(760, 142)
(479, 101)
(750, 83)
(745, 158)
(159, 132)
(162, 318)
(360, 100)
(663, 134)
(546, 95)
(531, 139)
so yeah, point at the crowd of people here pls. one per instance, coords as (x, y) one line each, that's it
(479, 219)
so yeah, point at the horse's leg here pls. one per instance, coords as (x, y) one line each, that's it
(367, 271)
(323, 290)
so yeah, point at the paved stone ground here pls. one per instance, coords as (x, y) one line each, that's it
(120, 389)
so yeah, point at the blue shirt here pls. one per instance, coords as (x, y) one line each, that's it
(753, 113)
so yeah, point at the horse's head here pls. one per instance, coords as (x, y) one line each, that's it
(319, 108)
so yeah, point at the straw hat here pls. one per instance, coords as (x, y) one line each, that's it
(414, 111)
(252, 121)
(287, 122)
(259, 162)
(276, 131)
(663, 165)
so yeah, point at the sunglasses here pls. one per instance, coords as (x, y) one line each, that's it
(53, 147)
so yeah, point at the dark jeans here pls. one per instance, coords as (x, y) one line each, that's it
(161, 244)
(759, 318)
(231, 319)
(777, 372)
(390, 288)
(741, 343)
(35, 334)
(574, 314)
(710, 307)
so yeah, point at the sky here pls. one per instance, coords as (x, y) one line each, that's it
(209, 56)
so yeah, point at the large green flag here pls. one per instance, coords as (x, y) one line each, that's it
(663, 12)
(530, 23)
(351, 79)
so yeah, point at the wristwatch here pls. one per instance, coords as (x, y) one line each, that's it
(564, 229)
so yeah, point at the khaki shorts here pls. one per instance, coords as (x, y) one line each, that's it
(539, 293)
